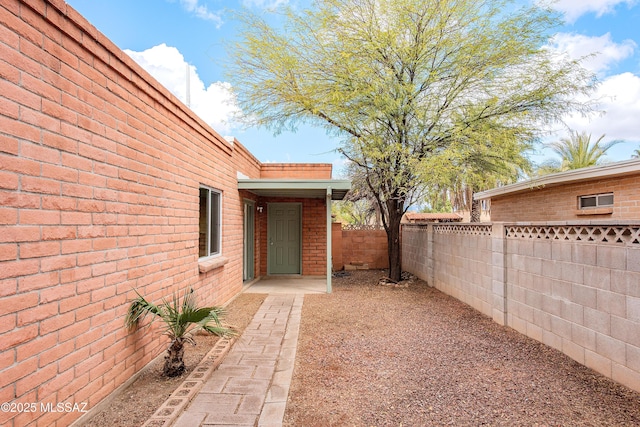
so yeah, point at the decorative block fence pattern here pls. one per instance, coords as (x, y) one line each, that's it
(573, 286)
(577, 233)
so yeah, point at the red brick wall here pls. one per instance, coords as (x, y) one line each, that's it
(560, 203)
(314, 237)
(297, 170)
(368, 247)
(100, 168)
(99, 174)
(336, 246)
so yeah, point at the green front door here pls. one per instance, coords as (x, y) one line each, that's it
(283, 235)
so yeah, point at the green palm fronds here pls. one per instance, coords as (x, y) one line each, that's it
(181, 316)
(577, 151)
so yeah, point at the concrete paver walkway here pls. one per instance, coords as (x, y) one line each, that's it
(251, 384)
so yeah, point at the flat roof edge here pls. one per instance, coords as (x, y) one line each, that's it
(601, 171)
(338, 184)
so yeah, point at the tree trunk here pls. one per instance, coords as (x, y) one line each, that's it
(475, 210)
(393, 239)
(174, 359)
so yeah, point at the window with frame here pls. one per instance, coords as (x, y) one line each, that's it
(595, 201)
(210, 230)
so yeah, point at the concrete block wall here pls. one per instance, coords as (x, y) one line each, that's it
(462, 268)
(417, 243)
(580, 297)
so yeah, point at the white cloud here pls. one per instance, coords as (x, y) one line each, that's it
(620, 100)
(605, 52)
(265, 4)
(215, 104)
(573, 9)
(201, 11)
(618, 95)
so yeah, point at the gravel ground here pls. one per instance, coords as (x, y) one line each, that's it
(374, 355)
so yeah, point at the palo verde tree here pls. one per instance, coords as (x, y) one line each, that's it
(400, 81)
(480, 157)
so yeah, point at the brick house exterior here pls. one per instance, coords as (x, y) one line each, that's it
(609, 192)
(102, 176)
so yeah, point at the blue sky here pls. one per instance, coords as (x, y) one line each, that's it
(167, 37)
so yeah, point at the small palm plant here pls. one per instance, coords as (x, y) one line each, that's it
(182, 319)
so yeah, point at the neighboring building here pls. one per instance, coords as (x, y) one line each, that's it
(606, 192)
(420, 218)
(109, 184)
(484, 213)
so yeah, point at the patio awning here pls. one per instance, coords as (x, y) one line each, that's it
(329, 189)
(305, 188)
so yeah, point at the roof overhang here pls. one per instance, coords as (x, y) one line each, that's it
(608, 170)
(298, 188)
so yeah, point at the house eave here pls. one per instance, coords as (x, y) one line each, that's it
(302, 188)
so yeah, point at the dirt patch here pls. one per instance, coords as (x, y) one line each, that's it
(142, 398)
(408, 355)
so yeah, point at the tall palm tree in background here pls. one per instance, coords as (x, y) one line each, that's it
(636, 153)
(577, 151)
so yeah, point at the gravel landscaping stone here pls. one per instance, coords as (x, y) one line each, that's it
(409, 355)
